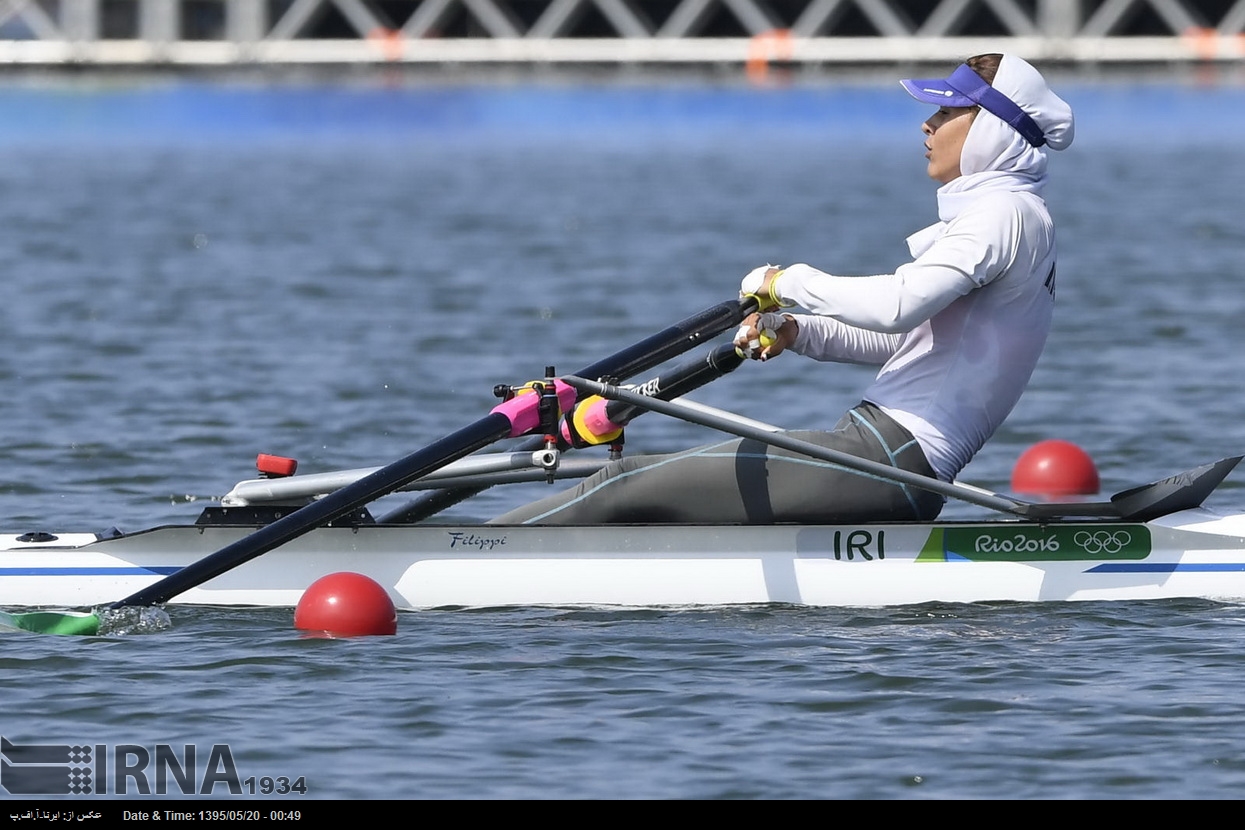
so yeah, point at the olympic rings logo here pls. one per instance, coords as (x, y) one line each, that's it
(1102, 541)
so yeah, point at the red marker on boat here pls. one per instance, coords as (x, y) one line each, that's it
(275, 466)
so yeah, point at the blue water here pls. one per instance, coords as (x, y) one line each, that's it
(195, 273)
(191, 111)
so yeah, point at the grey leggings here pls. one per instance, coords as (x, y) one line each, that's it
(747, 482)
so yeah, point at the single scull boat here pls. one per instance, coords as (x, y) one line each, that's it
(1192, 553)
(270, 538)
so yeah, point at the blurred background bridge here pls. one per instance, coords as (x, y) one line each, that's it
(812, 33)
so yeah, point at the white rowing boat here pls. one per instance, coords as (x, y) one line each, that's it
(1192, 552)
(270, 539)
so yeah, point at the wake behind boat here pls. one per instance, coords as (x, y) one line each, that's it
(271, 538)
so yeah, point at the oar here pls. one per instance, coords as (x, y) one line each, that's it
(597, 419)
(52, 622)
(1183, 491)
(512, 418)
(645, 355)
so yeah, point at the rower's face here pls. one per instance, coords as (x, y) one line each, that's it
(945, 132)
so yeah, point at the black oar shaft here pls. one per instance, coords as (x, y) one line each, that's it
(680, 380)
(492, 427)
(647, 354)
(643, 355)
(670, 342)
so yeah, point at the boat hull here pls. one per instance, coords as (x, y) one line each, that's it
(1194, 553)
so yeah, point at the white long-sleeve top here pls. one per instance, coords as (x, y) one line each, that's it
(958, 331)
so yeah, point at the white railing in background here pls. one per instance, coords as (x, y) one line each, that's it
(611, 32)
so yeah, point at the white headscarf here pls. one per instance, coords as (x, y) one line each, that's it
(992, 144)
(995, 156)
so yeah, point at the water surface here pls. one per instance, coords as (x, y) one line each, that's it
(196, 274)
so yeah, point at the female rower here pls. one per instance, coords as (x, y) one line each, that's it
(957, 333)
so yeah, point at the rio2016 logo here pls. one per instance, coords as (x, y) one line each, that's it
(1019, 543)
(1032, 543)
(1094, 542)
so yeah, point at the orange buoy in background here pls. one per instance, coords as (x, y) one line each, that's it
(1055, 468)
(346, 605)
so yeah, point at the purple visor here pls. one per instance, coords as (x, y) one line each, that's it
(965, 88)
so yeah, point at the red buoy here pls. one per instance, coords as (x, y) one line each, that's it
(346, 605)
(1055, 468)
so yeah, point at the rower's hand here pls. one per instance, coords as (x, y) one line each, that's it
(759, 283)
(765, 336)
